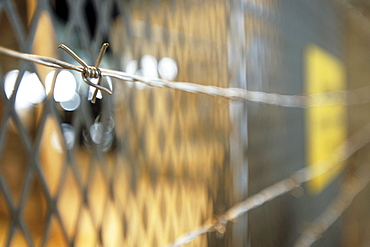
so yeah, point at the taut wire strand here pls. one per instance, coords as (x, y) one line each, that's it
(50, 62)
(218, 223)
(347, 194)
(349, 97)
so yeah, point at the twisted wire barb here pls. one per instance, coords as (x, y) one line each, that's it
(90, 71)
(98, 60)
(343, 97)
(218, 223)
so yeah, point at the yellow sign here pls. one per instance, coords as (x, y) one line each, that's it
(325, 125)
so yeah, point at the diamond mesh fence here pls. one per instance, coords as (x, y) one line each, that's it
(145, 165)
(136, 169)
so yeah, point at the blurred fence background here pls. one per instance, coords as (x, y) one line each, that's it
(148, 164)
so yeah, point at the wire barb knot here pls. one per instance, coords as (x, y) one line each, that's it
(90, 72)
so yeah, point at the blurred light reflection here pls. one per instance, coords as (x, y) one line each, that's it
(69, 135)
(65, 85)
(149, 66)
(139, 85)
(30, 91)
(101, 133)
(96, 133)
(56, 142)
(167, 68)
(131, 68)
(71, 104)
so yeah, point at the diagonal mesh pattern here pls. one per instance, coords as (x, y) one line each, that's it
(138, 168)
(146, 165)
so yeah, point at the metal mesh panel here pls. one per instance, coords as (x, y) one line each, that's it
(138, 168)
(279, 34)
(148, 164)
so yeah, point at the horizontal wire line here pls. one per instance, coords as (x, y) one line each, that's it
(218, 223)
(340, 97)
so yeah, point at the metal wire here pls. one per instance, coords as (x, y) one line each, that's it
(97, 63)
(357, 141)
(218, 223)
(349, 191)
(350, 97)
(89, 71)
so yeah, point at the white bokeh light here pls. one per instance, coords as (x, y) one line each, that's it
(71, 104)
(131, 68)
(65, 85)
(102, 132)
(167, 68)
(96, 133)
(149, 66)
(34, 88)
(10, 79)
(139, 85)
(30, 90)
(56, 142)
(69, 135)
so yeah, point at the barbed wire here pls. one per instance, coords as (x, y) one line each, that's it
(348, 192)
(353, 186)
(340, 97)
(218, 223)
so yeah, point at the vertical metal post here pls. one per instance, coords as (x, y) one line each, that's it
(238, 116)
